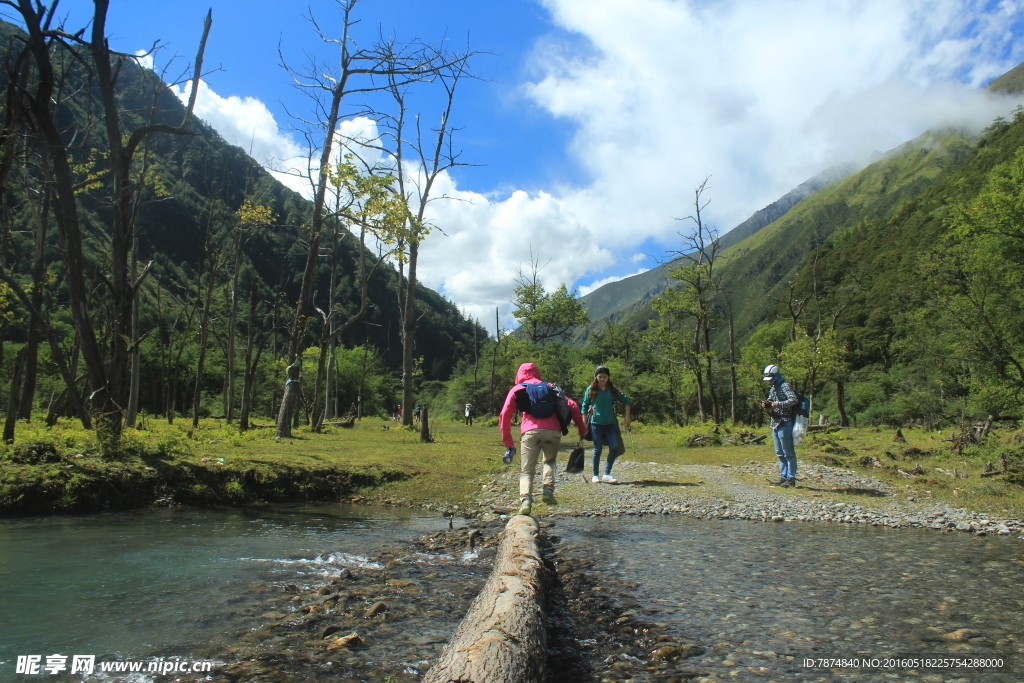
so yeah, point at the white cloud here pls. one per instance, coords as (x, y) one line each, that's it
(760, 94)
(247, 123)
(587, 289)
(144, 60)
(486, 241)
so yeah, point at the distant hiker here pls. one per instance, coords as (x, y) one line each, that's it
(599, 407)
(546, 416)
(396, 414)
(469, 414)
(781, 405)
(416, 414)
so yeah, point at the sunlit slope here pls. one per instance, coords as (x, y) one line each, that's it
(755, 272)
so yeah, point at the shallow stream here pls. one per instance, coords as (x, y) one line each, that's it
(773, 601)
(239, 587)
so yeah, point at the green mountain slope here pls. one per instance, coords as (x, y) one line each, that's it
(756, 271)
(617, 300)
(895, 325)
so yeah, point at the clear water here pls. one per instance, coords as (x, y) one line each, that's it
(759, 597)
(128, 585)
(756, 594)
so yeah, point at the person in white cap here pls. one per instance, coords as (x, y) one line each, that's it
(781, 405)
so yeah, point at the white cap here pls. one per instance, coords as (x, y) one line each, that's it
(770, 372)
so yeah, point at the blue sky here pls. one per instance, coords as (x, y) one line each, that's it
(593, 120)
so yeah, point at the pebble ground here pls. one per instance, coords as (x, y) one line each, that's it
(823, 493)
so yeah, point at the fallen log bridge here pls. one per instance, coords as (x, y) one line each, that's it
(503, 637)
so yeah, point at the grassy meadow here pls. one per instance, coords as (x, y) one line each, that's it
(62, 469)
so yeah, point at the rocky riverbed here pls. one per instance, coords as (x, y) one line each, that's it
(822, 494)
(388, 619)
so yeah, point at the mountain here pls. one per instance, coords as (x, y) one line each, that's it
(615, 300)
(820, 206)
(755, 270)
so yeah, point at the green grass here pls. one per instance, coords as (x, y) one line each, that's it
(378, 460)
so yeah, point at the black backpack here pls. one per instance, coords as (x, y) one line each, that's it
(801, 409)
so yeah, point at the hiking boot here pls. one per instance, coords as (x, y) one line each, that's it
(595, 479)
(781, 481)
(790, 483)
(548, 496)
(525, 509)
(609, 479)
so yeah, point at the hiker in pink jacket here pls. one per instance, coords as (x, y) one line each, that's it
(538, 434)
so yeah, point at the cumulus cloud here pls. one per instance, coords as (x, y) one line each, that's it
(145, 60)
(249, 124)
(487, 240)
(758, 94)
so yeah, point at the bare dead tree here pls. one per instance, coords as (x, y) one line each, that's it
(360, 70)
(418, 167)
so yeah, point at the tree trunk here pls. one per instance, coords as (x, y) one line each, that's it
(292, 388)
(249, 369)
(408, 337)
(732, 370)
(15, 395)
(229, 380)
(424, 427)
(204, 336)
(503, 635)
(844, 421)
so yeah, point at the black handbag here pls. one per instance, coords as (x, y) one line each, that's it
(576, 458)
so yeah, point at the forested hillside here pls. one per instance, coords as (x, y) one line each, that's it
(890, 297)
(924, 307)
(215, 257)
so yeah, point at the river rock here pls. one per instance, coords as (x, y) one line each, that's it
(961, 634)
(351, 640)
(329, 630)
(666, 653)
(376, 608)
(690, 650)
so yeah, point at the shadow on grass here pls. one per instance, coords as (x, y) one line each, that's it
(653, 482)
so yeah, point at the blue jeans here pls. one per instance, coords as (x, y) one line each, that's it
(783, 438)
(604, 434)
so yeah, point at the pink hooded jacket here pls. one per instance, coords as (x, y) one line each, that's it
(529, 374)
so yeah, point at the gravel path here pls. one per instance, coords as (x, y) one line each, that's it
(742, 492)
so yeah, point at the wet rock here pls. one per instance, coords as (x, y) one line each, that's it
(351, 640)
(273, 615)
(961, 634)
(665, 653)
(376, 608)
(325, 590)
(691, 650)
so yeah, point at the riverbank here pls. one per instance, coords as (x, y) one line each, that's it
(822, 494)
(853, 476)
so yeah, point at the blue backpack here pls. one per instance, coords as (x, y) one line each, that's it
(542, 399)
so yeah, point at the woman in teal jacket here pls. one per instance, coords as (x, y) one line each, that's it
(599, 409)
